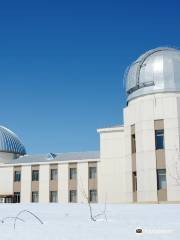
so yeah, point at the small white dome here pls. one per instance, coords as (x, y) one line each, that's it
(9, 142)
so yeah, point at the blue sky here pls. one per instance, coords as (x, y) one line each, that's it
(62, 65)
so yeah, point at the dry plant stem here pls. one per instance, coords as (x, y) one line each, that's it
(26, 211)
(6, 218)
(93, 217)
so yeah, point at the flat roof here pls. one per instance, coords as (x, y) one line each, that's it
(53, 157)
(112, 128)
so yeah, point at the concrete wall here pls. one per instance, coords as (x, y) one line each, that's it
(26, 184)
(44, 183)
(142, 112)
(82, 182)
(63, 183)
(172, 147)
(6, 180)
(111, 168)
(116, 165)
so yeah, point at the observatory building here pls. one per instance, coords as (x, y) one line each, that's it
(138, 161)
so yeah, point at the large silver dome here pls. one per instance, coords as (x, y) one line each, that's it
(157, 70)
(10, 143)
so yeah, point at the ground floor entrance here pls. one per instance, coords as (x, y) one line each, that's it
(10, 198)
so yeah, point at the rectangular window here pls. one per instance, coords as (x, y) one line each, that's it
(72, 173)
(93, 196)
(53, 196)
(35, 175)
(159, 139)
(134, 181)
(54, 174)
(17, 176)
(72, 196)
(133, 143)
(92, 172)
(161, 179)
(35, 197)
(17, 197)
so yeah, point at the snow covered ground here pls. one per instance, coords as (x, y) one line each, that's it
(72, 222)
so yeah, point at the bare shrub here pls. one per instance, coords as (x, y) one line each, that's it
(93, 217)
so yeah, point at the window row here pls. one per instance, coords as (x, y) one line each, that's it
(161, 180)
(53, 196)
(159, 140)
(92, 173)
(54, 174)
(35, 175)
(92, 196)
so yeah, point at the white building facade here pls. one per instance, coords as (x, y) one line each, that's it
(138, 161)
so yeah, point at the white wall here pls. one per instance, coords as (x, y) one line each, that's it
(142, 112)
(26, 184)
(6, 180)
(172, 145)
(44, 184)
(127, 164)
(82, 182)
(63, 183)
(111, 170)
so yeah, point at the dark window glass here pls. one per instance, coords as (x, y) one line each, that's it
(9, 199)
(73, 173)
(134, 182)
(159, 139)
(35, 175)
(53, 196)
(35, 196)
(161, 179)
(54, 174)
(17, 197)
(133, 143)
(73, 196)
(17, 176)
(93, 196)
(92, 172)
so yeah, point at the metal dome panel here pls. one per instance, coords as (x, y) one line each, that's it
(9, 142)
(157, 70)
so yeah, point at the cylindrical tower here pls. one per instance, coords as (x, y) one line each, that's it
(152, 125)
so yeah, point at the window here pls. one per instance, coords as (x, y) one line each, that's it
(72, 173)
(53, 196)
(133, 143)
(161, 179)
(17, 197)
(159, 139)
(92, 172)
(35, 175)
(134, 182)
(54, 174)
(73, 196)
(93, 196)
(17, 176)
(9, 200)
(35, 196)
